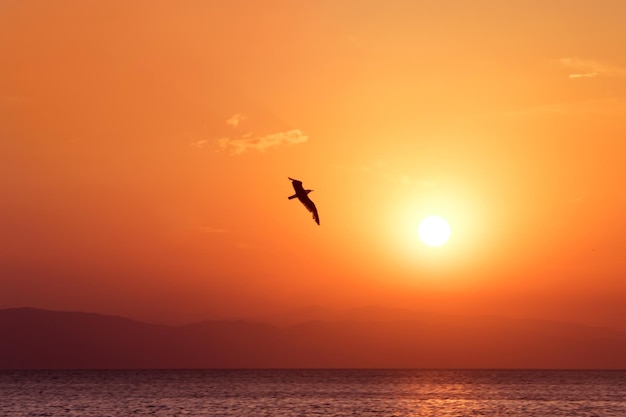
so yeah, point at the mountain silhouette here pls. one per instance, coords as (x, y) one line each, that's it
(366, 338)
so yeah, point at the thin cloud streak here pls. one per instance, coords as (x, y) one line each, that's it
(586, 75)
(587, 68)
(261, 143)
(199, 144)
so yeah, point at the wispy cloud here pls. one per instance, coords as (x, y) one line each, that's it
(584, 75)
(199, 144)
(587, 68)
(235, 120)
(249, 142)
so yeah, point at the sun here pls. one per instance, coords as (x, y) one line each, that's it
(434, 230)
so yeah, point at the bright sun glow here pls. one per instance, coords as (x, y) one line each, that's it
(434, 230)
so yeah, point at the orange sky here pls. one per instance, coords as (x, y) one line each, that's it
(145, 148)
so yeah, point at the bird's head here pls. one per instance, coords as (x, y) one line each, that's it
(308, 191)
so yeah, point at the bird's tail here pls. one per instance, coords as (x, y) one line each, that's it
(292, 196)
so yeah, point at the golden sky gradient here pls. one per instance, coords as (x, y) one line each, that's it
(145, 148)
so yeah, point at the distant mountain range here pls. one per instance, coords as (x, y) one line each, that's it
(366, 338)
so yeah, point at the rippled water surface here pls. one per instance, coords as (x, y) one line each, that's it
(313, 393)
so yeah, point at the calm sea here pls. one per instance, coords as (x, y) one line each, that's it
(313, 393)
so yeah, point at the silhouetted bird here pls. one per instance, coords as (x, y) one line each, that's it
(303, 196)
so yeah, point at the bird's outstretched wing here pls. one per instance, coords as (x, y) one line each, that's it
(297, 185)
(306, 201)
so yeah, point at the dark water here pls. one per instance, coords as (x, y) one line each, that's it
(313, 393)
